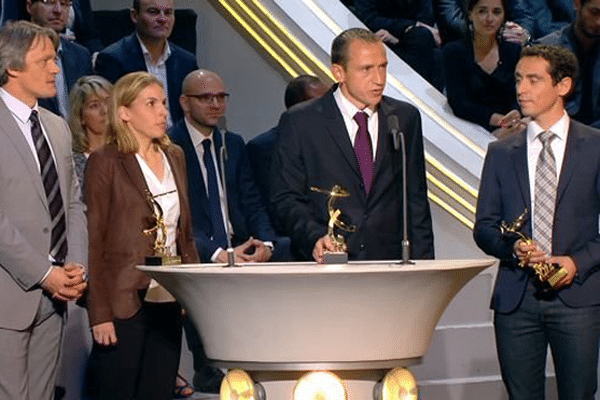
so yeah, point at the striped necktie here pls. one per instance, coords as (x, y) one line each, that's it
(545, 194)
(58, 239)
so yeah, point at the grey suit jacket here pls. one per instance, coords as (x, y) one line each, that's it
(25, 224)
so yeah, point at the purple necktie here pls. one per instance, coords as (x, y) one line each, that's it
(364, 149)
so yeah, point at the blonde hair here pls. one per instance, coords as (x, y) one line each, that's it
(86, 86)
(125, 91)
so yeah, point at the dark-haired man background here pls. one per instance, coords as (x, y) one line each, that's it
(147, 49)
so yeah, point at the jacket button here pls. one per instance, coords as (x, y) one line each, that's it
(45, 230)
(362, 246)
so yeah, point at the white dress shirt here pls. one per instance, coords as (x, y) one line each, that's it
(348, 111)
(534, 147)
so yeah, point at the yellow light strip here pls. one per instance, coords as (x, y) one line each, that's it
(451, 175)
(278, 41)
(450, 192)
(308, 54)
(466, 221)
(257, 37)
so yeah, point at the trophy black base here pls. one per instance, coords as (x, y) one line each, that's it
(335, 257)
(163, 260)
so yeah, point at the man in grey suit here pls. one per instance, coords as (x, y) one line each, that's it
(43, 234)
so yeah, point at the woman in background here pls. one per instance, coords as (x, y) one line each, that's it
(479, 70)
(88, 118)
(135, 325)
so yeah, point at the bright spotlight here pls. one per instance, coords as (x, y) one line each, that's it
(320, 386)
(398, 384)
(237, 385)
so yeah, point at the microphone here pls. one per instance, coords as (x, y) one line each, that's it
(223, 157)
(400, 145)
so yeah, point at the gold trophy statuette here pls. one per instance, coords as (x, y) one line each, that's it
(162, 256)
(548, 274)
(340, 254)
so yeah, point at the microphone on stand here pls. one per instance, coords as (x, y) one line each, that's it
(400, 145)
(223, 157)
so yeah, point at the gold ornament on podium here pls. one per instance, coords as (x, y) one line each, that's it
(548, 274)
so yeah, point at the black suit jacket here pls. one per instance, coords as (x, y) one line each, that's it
(126, 56)
(76, 62)
(314, 149)
(504, 194)
(246, 211)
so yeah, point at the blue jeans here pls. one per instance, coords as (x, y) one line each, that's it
(522, 338)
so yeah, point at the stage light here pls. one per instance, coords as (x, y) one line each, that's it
(398, 384)
(238, 385)
(320, 385)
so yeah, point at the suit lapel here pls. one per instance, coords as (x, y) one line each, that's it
(520, 166)
(136, 61)
(133, 170)
(195, 180)
(383, 142)
(336, 128)
(573, 147)
(12, 131)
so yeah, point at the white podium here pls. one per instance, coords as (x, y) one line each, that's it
(279, 320)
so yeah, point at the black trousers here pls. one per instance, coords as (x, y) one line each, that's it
(144, 363)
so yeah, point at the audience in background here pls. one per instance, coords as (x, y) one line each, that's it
(582, 37)
(549, 15)
(479, 70)
(452, 21)
(147, 49)
(88, 118)
(407, 27)
(136, 324)
(73, 59)
(260, 149)
(81, 27)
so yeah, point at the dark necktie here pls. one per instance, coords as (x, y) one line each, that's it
(214, 202)
(58, 239)
(545, 194)
(364, 149)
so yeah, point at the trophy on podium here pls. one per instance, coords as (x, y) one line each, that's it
(340, 254)
(548, 274)
(162, 255)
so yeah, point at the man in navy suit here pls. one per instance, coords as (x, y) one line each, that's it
(319, 145)
(73, 59)
(552, 169)
(204, 103)
(147, 49)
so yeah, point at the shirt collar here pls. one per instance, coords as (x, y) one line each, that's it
(346, 107)
(19, 109)
(195, 134)
(560, 129)
(164, 56)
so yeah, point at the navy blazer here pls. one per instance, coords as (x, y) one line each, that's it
(126, 56)
(314, 149)
(260, 151)
(246, 211)
(504, 194)
(76, 62)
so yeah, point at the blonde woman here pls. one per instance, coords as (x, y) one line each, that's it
(88, 118)
(138, 339)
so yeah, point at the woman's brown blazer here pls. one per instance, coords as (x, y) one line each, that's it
(118, 212)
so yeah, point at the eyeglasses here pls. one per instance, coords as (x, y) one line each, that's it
(52, 3)
(208, 98)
